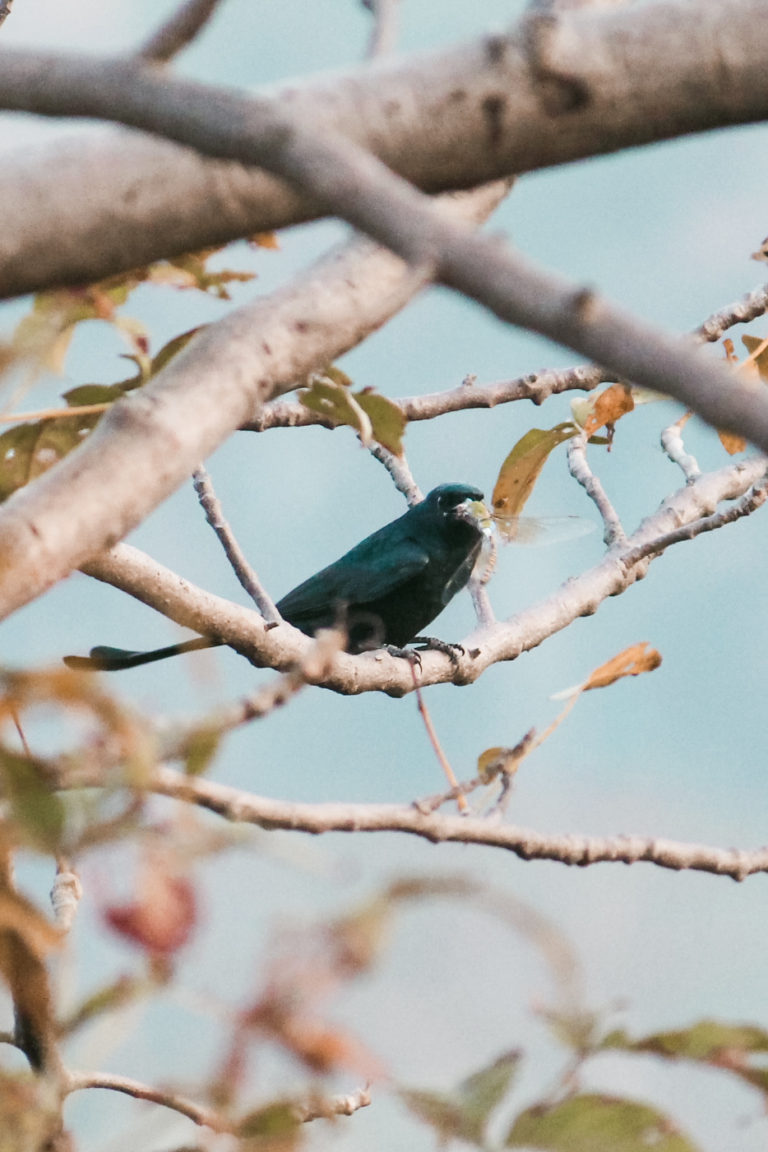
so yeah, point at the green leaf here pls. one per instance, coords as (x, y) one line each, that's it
(596, 1123)
(276, 1120)
(330, 401)
(172, 348)
(465, 1113)
(371, 415)
(28, 450)
(37, 811)
(99, 393)
(726, 1046)
(387, 420)
(199, 750)
(483, 1091)
(520, 471)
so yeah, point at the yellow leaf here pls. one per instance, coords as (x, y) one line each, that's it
(495, 761)
(334, 402)
(632, 661)
(387, 420)
(520, 471)
(372, 415)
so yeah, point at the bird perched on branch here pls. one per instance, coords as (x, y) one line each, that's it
(383, 592)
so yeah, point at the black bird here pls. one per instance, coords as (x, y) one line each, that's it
(384, 591)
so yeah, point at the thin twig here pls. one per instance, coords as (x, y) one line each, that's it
(178, 31)
(749, 503)
(343, 1105)
(672, 443)
(384, 32)
(613, 532)
(400, 471)
(315, 666)
(77, 1081)
(536, 387)
(450, 775)
(743, 311)
(242, 569)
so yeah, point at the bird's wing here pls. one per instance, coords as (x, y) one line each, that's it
(362, 576)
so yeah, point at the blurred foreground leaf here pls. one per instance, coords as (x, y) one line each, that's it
(736, 1048)
(465, 1113)
(596, 1123)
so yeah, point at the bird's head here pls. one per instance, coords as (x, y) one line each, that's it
(459, 504)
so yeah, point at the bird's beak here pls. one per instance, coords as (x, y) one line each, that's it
(475, 512)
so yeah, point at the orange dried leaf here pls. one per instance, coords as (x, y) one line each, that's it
(266, 240)
(633, 661)
(758, 354)
(732, 443)
(520, 471)
(608, 407)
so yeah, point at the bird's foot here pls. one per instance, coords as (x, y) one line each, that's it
(432, 644)
(409, 654)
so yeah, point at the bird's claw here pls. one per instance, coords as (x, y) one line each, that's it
(449, 649)
(409, 654)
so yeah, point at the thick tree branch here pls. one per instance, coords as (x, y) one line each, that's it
(69, 529)
(549, 92)
(362, 190)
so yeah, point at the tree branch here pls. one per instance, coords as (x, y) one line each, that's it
(246, 575)
(77, 1081)
(355, 185)
(182, 27)
(536, 387)
(627, 561)
(385, 26)
(242, 807)
(445, 120)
